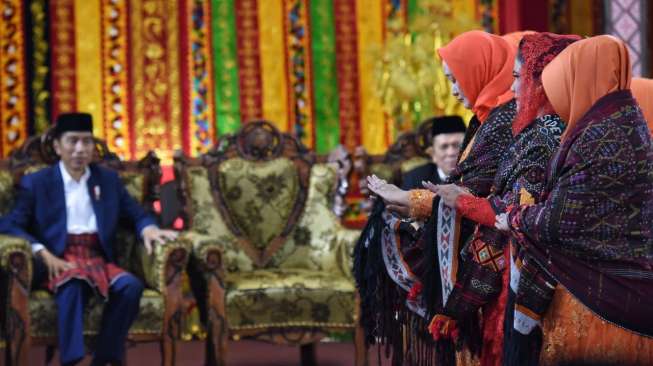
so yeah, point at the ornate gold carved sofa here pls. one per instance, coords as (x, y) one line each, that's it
(28, 317)
(271, 260)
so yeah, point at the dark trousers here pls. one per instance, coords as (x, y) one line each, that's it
(119, 313)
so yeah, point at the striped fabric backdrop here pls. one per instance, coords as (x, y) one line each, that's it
(175, 74)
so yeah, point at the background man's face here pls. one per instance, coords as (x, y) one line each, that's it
(446, 147)
(75, 149)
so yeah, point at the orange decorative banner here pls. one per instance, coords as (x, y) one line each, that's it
(164, 75)
(88, 62)
(198, 108)
(154, 77)
(62, 38)
(13, 92)
(298, 59)
(115, 80)
(347, 64)
(249, 68)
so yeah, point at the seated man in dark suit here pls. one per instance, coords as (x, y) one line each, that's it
(448, 133)
(69, 212)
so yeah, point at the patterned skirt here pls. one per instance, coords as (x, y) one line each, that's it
(85, 253)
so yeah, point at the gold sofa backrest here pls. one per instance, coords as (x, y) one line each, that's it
(265, 197)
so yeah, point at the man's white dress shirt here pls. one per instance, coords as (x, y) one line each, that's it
(80, 217)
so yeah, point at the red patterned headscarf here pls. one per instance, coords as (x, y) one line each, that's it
(535, 52)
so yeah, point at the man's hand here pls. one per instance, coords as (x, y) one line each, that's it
(153, 235)
(55, 265)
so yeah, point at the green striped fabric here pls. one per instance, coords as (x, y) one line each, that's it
(413, 9)
(325, 85)
(225, 66)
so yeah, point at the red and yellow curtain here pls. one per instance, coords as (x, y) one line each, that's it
(175, 74)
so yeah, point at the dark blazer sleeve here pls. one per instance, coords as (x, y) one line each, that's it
(19, 218)
(132, 210)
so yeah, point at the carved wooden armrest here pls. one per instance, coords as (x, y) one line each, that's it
(166, 264)
(16, 268)
(207, 250)
(16, 257)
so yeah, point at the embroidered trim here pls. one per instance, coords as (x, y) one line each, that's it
(397, 270)
(488, 255)
(447, 247)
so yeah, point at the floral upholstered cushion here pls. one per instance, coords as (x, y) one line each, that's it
(307, 282)
(124, 251)
(259, 196)
(134, 183)
(313, 243)
(8, 187)
(6, 191)
(287, 298)
(207, 224)
(126, 237)
(43, 315)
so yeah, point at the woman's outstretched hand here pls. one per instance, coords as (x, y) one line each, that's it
(390, 193)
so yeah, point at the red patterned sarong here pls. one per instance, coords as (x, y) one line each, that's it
(85, 253)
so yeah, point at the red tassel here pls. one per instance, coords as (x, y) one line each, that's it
(493, 317)
(415, 290)
(443, 327)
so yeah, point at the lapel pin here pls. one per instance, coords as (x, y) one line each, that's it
(96, 191)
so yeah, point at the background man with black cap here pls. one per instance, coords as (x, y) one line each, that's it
(448, 134)
(69, 212)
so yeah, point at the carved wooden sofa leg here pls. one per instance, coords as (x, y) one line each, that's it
(174, 267)
(307, 354)
(218, 331)
(361, 355)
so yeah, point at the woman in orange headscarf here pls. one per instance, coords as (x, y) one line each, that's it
(536, 131)
(643, 92)
(592, 232)
(479, 66)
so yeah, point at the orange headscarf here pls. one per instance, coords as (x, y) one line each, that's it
(515, 37)
(643, 91)
(482, 64)
(583, 73)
